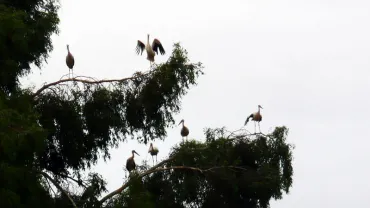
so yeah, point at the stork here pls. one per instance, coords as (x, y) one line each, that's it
(256, 117)
(70, 61)
(184, 130)
(151, 50)
(130, 163)
(153, 151)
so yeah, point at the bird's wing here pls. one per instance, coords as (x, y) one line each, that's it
(157, 44)
(140, 47)
(70, 60)
(246, 121)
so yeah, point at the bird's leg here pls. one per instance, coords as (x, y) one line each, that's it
(254, 127)
(259, 127)
(153, 160)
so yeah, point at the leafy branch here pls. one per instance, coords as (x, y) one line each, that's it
(59, 187)
(157, 168)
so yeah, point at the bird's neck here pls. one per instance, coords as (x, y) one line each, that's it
(148, 39)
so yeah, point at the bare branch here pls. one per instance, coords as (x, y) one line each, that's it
(47, 181)
(86, 81)
(59, 187)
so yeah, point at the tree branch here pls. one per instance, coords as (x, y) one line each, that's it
(79, 182)
(156, 168)
(86, 81)
(59, 187)
(120, 189)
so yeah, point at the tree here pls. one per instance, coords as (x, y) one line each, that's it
(227, 170)
(48, 136)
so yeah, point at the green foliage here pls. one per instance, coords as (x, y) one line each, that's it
(95, 118)
(237, 171)
(26, 28)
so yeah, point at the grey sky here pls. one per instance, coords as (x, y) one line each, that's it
(306, 62)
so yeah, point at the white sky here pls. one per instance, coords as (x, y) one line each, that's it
(306, 62)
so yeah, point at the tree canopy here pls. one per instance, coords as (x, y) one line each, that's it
(49, 136)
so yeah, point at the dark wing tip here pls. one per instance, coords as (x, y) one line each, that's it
(140, 47)
(158, 45)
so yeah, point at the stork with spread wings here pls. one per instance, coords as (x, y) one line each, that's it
(151, 50)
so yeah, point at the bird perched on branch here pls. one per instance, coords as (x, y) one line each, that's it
(184, 130)
(130, 163)
(151, 50)
(153, 151)
(70, 60)
(256, 117)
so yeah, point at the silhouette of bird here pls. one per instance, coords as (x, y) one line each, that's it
(184, 130)
(70, 61)
(130, 163)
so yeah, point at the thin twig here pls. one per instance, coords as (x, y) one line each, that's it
(59, 187)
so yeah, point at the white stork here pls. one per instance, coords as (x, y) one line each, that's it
(70, 61)
(256, 117)
(151, 50)
(153, 151)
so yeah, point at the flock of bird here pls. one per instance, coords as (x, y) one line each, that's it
(151, 51)
(130, 163)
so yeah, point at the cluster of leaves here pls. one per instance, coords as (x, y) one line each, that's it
(25, 37)
(26, 28)
(222, 172)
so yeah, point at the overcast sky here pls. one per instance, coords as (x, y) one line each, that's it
(305, 61)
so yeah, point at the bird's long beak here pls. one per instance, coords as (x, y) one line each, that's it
(136, 153)
(261, 107)
(180, 123)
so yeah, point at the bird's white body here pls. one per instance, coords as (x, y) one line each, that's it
(149, 51)
(153, 151)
